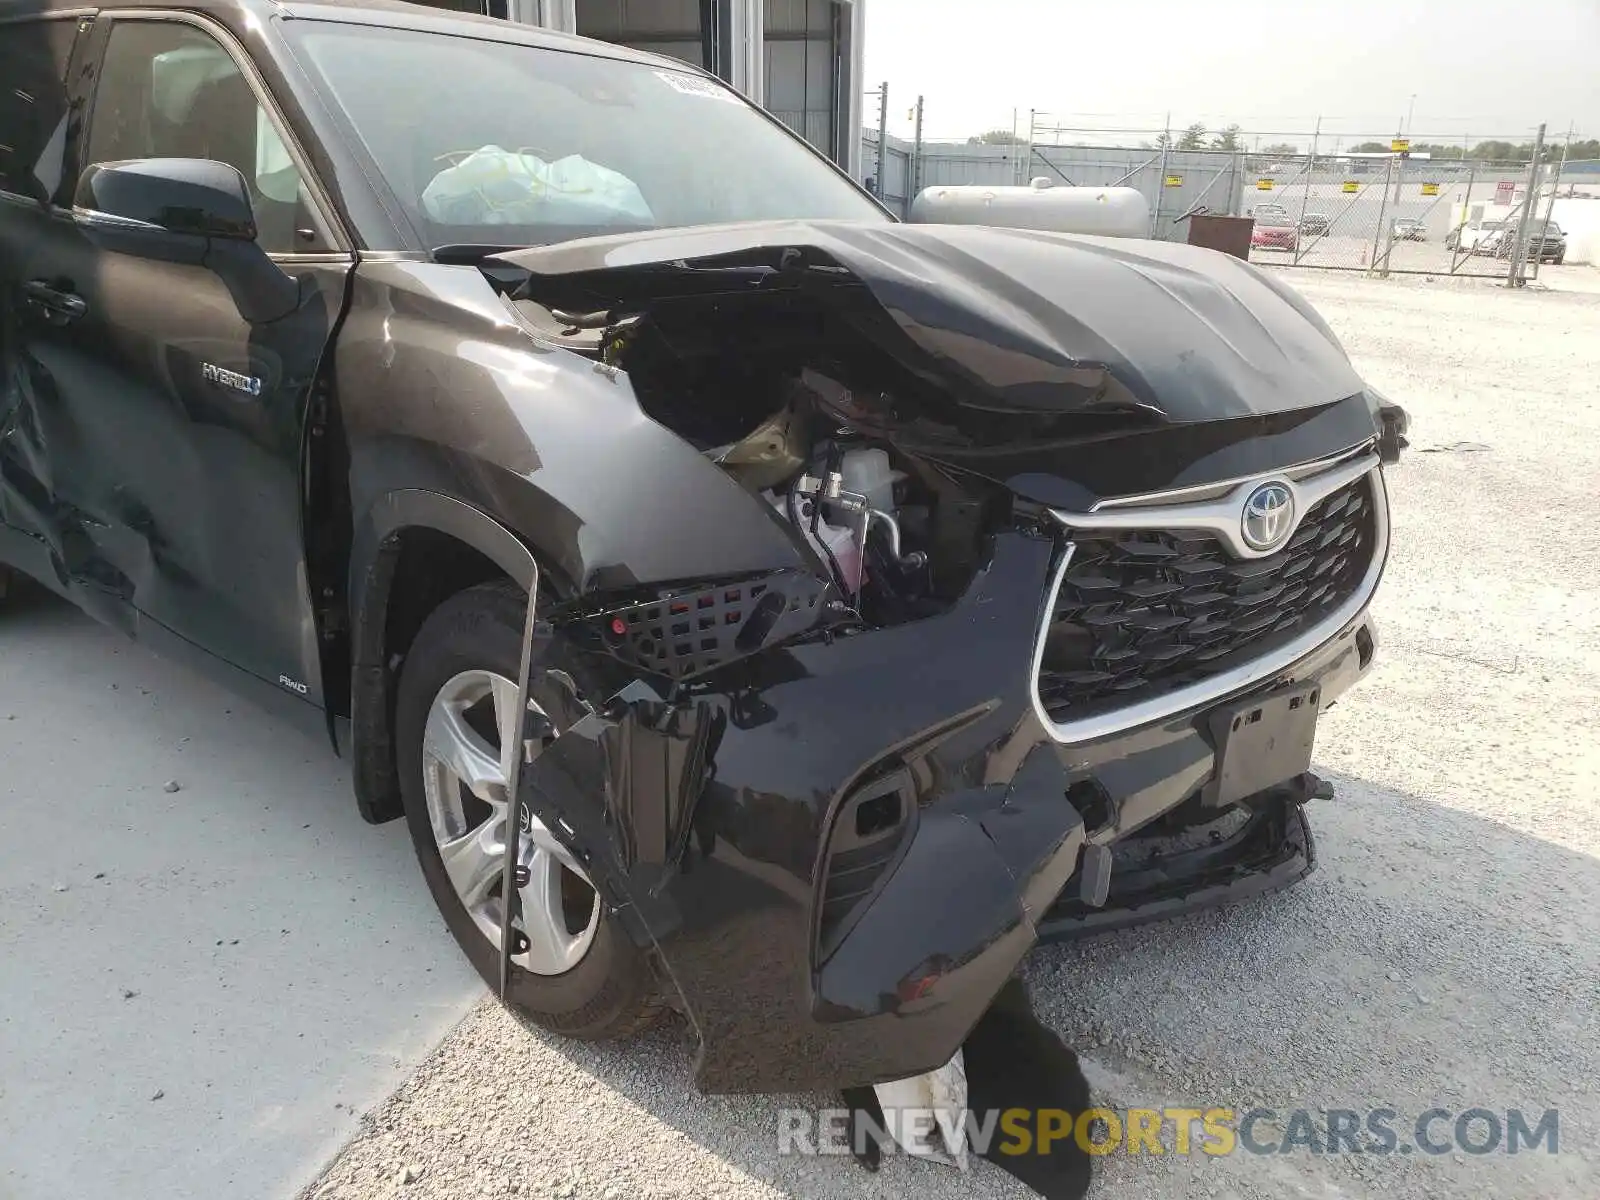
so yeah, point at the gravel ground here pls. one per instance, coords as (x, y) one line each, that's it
(1446, 953)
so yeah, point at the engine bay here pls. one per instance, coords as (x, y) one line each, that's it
(807, 418)
(898, 537)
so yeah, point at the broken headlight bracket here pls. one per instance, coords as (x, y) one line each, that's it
(681, 632)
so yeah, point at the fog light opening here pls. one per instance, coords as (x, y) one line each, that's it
(878, 815)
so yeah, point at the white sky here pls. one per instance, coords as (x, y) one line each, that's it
(1481, 68)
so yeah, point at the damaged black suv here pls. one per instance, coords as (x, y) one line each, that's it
(840, 605)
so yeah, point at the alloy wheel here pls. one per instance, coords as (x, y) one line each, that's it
(473, 726)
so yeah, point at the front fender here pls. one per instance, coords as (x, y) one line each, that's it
(441, 389)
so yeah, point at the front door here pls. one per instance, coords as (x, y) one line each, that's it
(35, 52)
(173, 424)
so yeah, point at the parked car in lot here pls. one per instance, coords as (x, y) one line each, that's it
(753, 605)
(1483, 237)
(1409, 229)
(1274, 233)
(1546, 242)
(1315, 223)
(1265, 212)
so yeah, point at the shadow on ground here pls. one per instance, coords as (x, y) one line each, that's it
(1435, 960)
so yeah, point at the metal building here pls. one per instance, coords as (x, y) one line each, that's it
(801, 59)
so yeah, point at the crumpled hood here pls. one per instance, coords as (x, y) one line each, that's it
(1018, 320)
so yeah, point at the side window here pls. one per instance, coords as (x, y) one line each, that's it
(169, 90)
(33, 104)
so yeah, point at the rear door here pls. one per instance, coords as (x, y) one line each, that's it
(180, 424)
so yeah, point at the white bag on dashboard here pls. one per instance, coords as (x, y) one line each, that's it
(492, 186)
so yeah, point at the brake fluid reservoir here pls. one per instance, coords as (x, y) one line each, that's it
(868, 473)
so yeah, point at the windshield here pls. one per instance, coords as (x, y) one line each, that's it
(496, 143)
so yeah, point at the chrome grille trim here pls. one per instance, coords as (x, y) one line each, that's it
(1220, 517)
(1212, 491)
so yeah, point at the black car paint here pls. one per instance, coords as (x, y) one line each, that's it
(696, 790)
(403, 394)
(998, 314)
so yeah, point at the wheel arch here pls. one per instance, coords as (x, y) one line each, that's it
(413, 549)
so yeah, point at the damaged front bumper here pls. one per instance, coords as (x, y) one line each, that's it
(841, 848)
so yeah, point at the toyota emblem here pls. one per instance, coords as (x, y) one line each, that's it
(1269, 517)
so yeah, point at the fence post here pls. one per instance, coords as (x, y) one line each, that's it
(1519, 245)
(1550, 209)
(1161, 183)
(1456, 256)
(1388, 233)
(1305, 192)
(1383, 212)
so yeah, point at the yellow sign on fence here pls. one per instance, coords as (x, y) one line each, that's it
(1400, 145)
(1430, 189)
(1263, 185)
(1350, 185)
(1174, 180)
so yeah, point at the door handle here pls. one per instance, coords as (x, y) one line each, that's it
(60, 306)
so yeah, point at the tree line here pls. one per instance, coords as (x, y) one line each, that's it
(1198, 137)
(1493, 150)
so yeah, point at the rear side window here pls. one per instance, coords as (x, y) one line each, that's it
(33, 104)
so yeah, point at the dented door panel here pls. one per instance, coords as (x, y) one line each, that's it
(166, 443)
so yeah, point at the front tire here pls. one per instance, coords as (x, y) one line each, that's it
(576, 972)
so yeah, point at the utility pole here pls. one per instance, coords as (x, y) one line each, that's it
(1409, 111)
(1161, 183)
(1027, 166)
(1519, 245)
(883, 134)
(915, 189)
(1400, 173)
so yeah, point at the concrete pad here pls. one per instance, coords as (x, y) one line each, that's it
(199, 990)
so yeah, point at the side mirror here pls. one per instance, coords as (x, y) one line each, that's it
(186, 210)
(176, 195)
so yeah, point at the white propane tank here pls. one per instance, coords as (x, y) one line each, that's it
(1109, 211)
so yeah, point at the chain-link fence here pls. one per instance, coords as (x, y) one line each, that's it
(1388, 214)
(1373, 209)
(1175, 184)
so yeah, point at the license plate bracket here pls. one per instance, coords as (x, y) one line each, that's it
(1262, 741)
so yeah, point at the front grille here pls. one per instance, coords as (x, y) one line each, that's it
(1143, 612)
